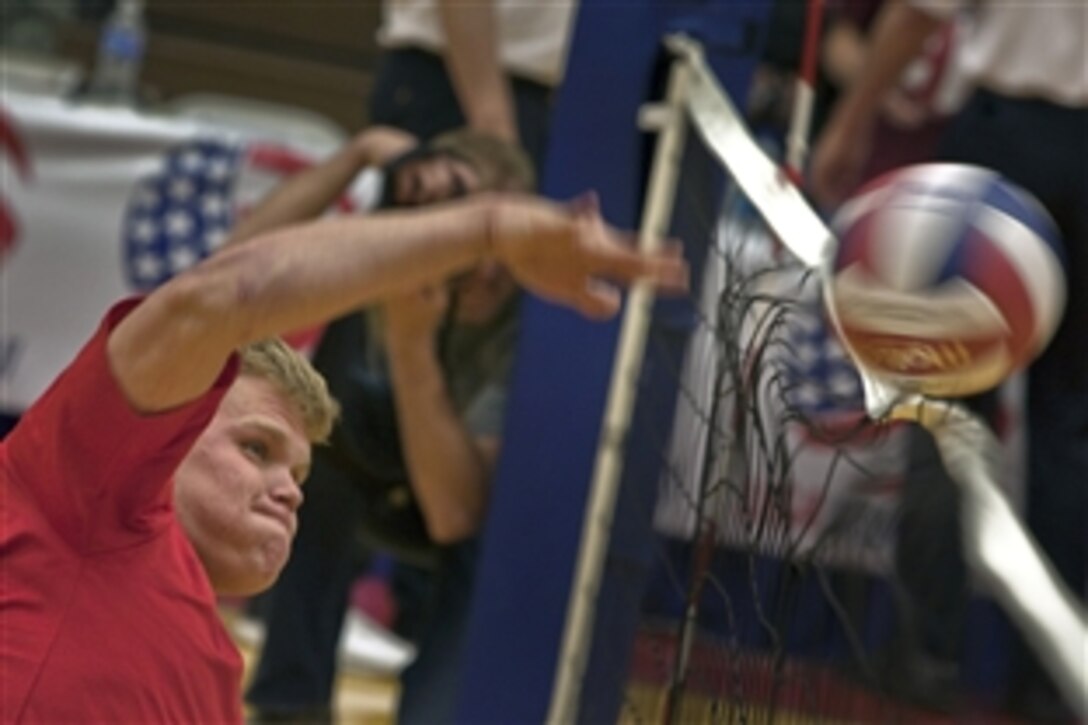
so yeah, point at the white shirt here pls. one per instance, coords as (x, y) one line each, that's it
(1024, 48)
(533, 34)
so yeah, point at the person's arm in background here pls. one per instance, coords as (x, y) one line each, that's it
(843, 53)
(450, 469)
(170, 349)
(472, 60)
(311, 192)
(846, 142)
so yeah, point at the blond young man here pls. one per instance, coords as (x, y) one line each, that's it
(154, 473)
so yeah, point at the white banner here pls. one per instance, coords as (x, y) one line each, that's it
(99, 203)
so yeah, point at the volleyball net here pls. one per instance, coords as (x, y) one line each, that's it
(774, 585)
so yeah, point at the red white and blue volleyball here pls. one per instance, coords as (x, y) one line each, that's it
(947, 278)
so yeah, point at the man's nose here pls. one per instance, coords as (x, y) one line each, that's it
(287, 491)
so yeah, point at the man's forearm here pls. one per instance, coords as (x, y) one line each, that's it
(170, 349)
(448, 469)
(472, 60)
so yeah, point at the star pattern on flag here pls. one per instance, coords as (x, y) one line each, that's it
(180, 214)
(821, 379)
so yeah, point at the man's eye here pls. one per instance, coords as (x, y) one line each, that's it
(256, 450)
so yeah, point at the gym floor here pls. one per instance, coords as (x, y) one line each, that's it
(361, 698)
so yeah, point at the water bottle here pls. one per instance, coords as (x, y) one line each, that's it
(120, 55)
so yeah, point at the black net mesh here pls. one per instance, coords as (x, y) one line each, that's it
(757, 523)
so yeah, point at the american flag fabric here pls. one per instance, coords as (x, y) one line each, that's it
(182, 213)
(821, 380)
(103, 202)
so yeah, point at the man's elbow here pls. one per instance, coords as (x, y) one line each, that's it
(216, 294)
(169, 349)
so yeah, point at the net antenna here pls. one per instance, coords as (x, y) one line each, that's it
(1000, 552)
(804, 99)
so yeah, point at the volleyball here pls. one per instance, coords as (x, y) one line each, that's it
(947, 278)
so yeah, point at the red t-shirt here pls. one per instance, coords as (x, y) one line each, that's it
(106, 614)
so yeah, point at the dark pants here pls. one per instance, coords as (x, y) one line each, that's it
(429, 686)
(305, 610)
(413, 92)
(1043, 148)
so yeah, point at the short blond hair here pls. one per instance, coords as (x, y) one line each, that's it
(296, 378)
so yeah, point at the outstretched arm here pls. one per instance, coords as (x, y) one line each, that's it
(311, 192)
(169, 350)
(472, 60)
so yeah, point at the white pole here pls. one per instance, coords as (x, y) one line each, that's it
(671, 120)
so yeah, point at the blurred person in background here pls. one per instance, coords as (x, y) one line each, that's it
(923, 664)
(492, 66)
(916, 110)
(423, 384)
(1027, 118)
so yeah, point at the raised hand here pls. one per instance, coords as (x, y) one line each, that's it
(570, 255)
(417, 315)
(378, 145)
